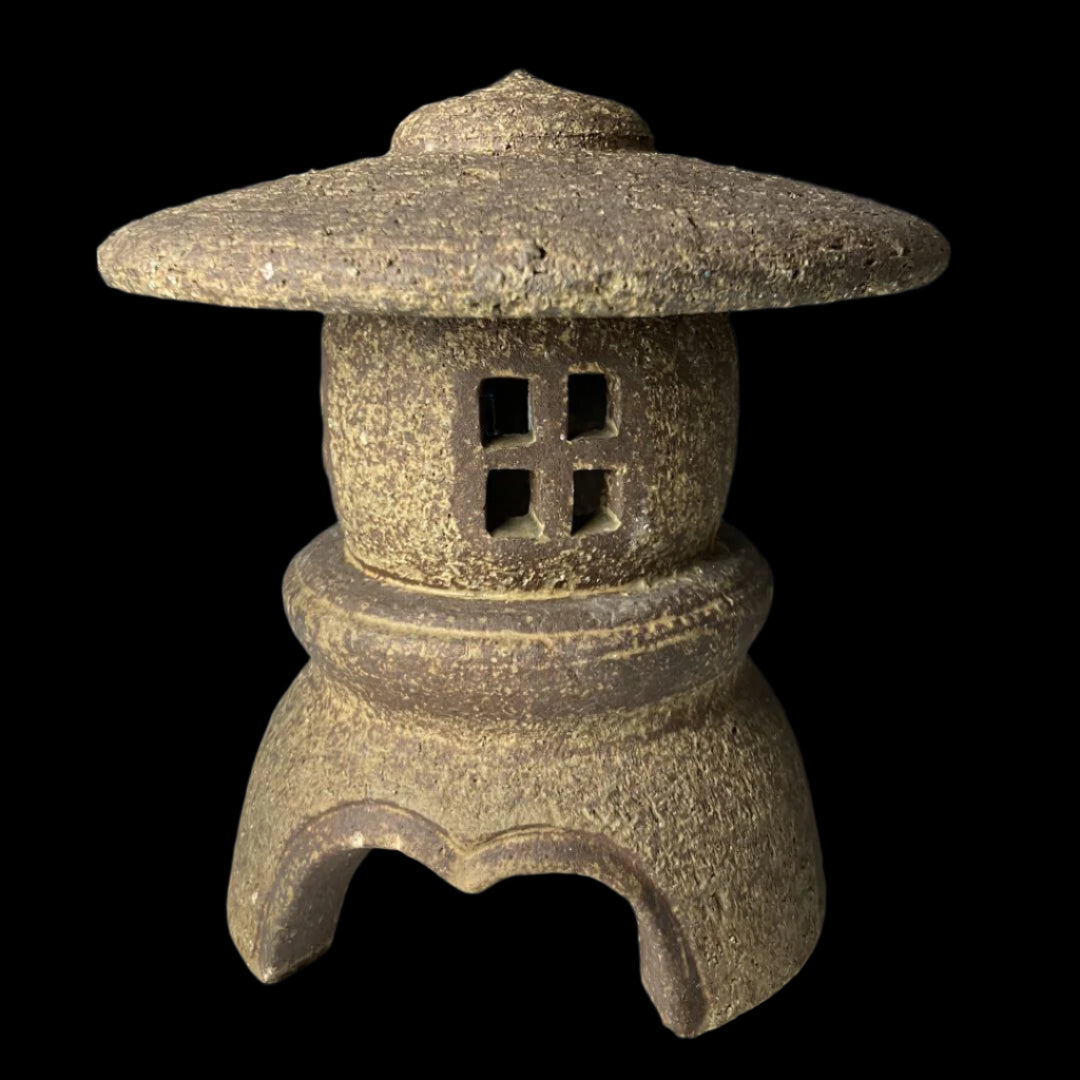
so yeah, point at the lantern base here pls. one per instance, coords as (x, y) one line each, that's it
(692, 804)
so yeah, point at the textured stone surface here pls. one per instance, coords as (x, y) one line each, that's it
(689, 801)
(510, 662)
(520, 114)
(408, 467)
(523, 200)
(564, 687)
(545, 702)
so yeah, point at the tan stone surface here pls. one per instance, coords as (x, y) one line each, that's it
(407, 465)
(520, 201)
(531, 695)
(691, 801)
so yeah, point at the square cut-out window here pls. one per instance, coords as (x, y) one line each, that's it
(588, 405)
(505, 412)
(592, 510)
(508, 503)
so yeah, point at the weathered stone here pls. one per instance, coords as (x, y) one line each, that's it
(408, 466)
(490, 205)
(529, 630)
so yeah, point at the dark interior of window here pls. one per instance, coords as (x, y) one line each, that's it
(509, 493)
(591, 500)
(587, 397)
(504, 408)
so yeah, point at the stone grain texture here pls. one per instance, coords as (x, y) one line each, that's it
(492, 205)
(408, 466)
(528, 634)
(624, 736)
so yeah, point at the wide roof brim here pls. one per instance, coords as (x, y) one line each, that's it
(490, 235)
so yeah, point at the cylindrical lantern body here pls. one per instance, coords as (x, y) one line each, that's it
(522, 454)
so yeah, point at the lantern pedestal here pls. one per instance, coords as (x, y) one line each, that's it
(625, 737)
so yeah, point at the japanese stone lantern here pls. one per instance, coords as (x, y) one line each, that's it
(528, 630)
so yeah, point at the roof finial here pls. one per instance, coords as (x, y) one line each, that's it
(521, 114)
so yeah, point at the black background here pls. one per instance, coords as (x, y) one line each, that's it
(201, 477)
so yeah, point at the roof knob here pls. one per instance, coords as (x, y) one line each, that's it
(521, 115)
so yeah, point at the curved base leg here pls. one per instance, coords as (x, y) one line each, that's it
(704, 826)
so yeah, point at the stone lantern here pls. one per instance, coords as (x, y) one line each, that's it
(529, 629)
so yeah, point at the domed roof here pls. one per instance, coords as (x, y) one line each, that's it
(524, 200)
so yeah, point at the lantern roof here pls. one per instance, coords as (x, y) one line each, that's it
(524, 200)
